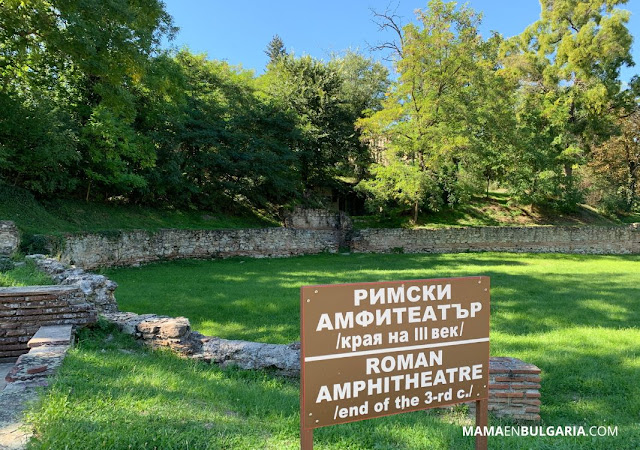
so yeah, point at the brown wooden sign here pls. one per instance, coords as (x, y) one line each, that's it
(374, 349)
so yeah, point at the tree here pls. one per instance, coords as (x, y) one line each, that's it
(84, 57)
(219, 145)
(616, 166)
(275, 49)
(310, 91)
(363, 84)
(436, 117)
(37, 144)
(567, 64)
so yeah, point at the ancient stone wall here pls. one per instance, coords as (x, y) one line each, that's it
(23, 310)
(134, 247)
(98, 289)
(513, 384)
(9, 238)
(317, 219)
(587, 239)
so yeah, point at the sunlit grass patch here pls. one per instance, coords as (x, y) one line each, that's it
(574, 316)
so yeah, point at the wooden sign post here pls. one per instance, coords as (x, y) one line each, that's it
(376, 349)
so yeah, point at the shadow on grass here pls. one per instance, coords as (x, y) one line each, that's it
(574, 316)
(112, 393)
(259, 299)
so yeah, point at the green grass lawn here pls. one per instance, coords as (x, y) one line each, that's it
(26, 275)
(576, 317)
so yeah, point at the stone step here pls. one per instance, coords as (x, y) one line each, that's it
(38, 363)
(52, 335)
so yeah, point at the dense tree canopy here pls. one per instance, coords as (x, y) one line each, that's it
(91, 106)
(568, 65)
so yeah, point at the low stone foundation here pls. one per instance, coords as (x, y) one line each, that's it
(175, 333)
(513, 384)
(23, 310)
(47, 350)
(27, 376)
(98, 289)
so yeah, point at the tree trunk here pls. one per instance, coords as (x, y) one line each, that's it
(633, 184)
(86, 199)
(568, 170)
(415, 213)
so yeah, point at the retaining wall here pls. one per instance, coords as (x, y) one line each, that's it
(133, 247)
(23, 310)
(588, 240)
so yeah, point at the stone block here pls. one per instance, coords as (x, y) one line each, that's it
(9, 238)
(52, 335)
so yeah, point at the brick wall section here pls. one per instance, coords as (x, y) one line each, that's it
(132, 247)
(9, 238)
(23, 310)
(587, 240)
(514, 389)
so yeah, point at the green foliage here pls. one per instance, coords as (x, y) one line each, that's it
(310, 91)
(568, 65)
(222, 144)
(91, 107)
(275, 49)
(22, 275)
(321, 100)
(401, 184)
(364, 83)
(37, 144)
(68, 68)
(32, 244)
(440, 118)
(615, 166)
(5, 264)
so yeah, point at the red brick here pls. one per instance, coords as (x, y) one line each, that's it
(16, 332)
(38, 369)
(527, 371)
(510, 379)
(12, 353)
(532, 395)
(532, 409)
(498, 386)
(494, 399)
(14, 346)
(525, 386)
(509, 394)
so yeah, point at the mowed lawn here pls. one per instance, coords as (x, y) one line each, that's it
(576, 317)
